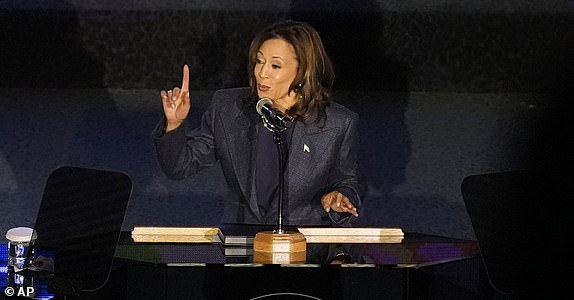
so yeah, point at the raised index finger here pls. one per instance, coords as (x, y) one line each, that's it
(185, 81)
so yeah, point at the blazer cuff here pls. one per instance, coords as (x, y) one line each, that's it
(347, 192)
(159, 134)
(339, 218)
(169, 146)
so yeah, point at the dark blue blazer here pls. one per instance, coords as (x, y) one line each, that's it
(320, 159)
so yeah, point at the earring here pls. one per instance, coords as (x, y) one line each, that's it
(299, 90)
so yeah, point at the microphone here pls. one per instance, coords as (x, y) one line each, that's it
(273, 117)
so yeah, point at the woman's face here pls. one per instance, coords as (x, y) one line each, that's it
(275, 69)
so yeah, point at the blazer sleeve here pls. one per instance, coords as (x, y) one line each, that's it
(183, 152)
(345, 175)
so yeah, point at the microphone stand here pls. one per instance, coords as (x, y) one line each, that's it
(279, 246)
(278, 139)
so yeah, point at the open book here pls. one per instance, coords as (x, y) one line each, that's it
(351, 235)
(176, 234)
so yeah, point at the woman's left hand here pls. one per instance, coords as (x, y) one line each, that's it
(338, 202)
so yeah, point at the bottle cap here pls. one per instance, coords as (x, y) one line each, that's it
(21, 234)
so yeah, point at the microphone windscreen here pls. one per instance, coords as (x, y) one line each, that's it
(260, 104)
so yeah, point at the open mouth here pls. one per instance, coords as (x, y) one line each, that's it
(263, 88)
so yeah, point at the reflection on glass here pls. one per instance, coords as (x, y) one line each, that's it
(24, 283)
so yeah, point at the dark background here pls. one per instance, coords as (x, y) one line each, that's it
(444, 89)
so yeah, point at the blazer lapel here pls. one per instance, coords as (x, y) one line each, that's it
(306, 152)
(242, 145)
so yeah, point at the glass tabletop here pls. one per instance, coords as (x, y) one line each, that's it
(415, 250)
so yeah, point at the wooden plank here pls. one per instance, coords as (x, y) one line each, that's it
(356, 239)
(172, 238)
(176, 234)
(176, 230)
(351, 231)
(351, 235)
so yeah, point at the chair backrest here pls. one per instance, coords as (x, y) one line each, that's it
(79, 222)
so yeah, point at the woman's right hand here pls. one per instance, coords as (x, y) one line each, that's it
(176, 103)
